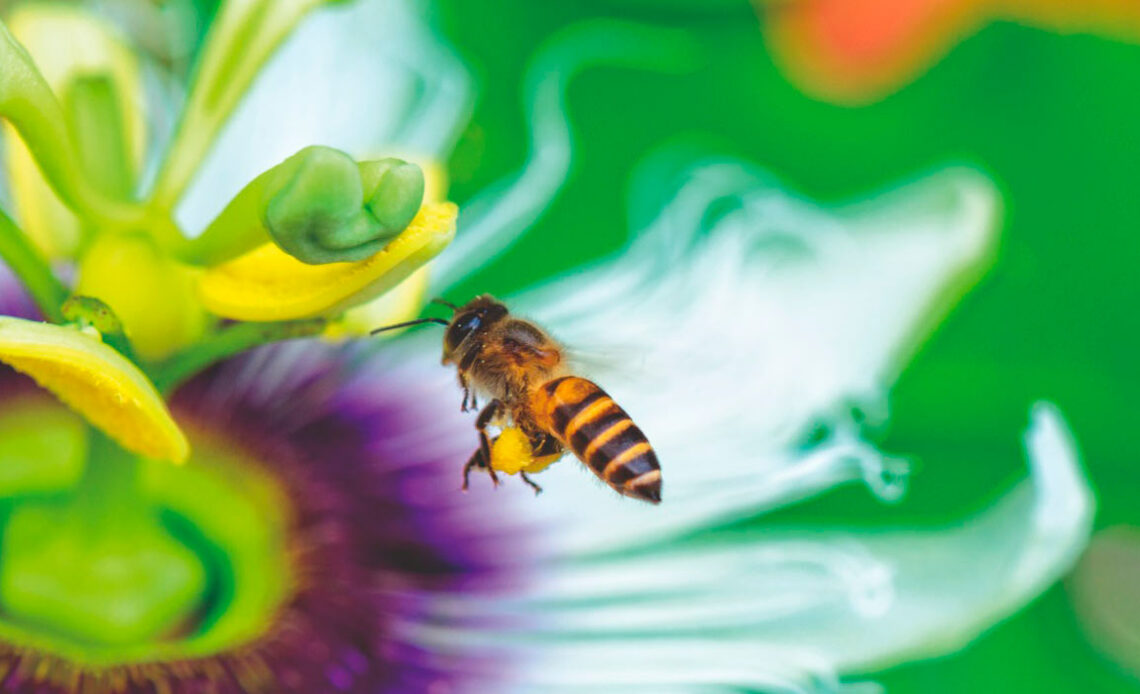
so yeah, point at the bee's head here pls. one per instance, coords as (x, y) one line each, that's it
(469, 320)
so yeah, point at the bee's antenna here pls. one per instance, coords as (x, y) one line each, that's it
(405, 324)
(444, 302)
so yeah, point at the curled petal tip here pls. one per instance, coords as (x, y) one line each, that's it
(396, 194)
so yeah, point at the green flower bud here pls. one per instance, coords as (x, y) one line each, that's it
(309, 196)
(321, 207)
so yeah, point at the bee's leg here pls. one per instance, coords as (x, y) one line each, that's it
(541, 446)
(482, 457)
(466, 392)
(485, 446)
(537, 489)
(476, 461)
(471, 462)
(484, 419)
(466, 363)
(470, 400)
(481, 422)
(485, 457)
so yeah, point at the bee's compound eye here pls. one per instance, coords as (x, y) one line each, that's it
(461, 328)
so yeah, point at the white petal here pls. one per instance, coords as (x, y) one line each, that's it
(730, 336)
(366, 77)
(729, 339)
(952, 585)
(785, 610)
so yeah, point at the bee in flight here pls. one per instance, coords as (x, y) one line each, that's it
(523, 371)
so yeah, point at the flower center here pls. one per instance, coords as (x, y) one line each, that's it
(111, 559)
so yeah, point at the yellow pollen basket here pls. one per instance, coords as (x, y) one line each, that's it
(97, 382)
(267, 284)
(511, 453)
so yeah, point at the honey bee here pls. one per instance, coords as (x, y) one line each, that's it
(523, 371)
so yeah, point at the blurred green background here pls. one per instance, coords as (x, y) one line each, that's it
(1053, 120)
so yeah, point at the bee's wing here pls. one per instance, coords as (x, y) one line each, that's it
(601, 363)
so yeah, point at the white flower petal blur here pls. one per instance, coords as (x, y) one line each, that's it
(788, 610)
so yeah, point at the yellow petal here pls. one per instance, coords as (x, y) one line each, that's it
(266, 284)
(95, 381)
(67, 44)
(402, 302)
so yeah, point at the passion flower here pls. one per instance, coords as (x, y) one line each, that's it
(189, 508)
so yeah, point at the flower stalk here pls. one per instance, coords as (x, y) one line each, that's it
(228, 342)
(32, 269)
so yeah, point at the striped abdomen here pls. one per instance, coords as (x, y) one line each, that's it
(601, 434)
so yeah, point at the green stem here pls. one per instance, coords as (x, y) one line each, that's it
(226, 343)
(31, 269)
(241, 38)
(109, 496)
(238, 229)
